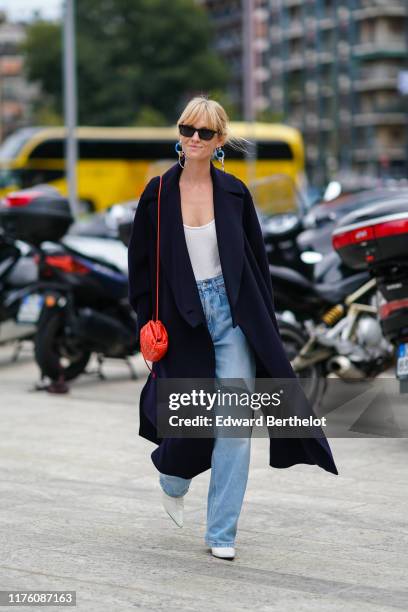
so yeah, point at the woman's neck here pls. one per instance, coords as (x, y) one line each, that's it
(195, 171)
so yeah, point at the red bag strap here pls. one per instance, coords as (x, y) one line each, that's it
(158, 250)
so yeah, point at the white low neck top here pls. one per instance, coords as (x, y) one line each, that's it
(203, 250)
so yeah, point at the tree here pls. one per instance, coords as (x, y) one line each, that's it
(43, 49)
(135, 60)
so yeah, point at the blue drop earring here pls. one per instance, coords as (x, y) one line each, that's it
(220, 155)
(180, 153)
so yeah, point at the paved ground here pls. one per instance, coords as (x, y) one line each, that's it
(80, 509)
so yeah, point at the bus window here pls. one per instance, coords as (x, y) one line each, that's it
(105, 149)
(274, 150)
(32, 177)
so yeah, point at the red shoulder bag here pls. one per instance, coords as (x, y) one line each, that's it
(153, 335)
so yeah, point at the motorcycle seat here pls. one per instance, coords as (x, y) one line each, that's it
(331, 293)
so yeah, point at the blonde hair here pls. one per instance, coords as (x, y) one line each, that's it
(215, 118)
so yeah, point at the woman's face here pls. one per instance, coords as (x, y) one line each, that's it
(196, 148)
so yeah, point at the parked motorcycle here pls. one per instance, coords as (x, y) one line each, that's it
(376, 239)
(84, 307)
(351, 326)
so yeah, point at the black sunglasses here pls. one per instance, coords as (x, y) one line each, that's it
(189, 130)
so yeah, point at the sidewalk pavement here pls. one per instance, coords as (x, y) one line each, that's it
(80, 510)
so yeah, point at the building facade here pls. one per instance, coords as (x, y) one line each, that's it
(231, 27)
(334, 70)
(330, 68)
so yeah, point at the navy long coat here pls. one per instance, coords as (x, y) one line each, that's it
(191, 352)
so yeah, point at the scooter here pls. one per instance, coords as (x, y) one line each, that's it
(83, 307)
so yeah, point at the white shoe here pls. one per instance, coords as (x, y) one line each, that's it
(223, 552)
(174, 506)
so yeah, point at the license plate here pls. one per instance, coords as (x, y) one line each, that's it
(402, 361)
(30, 308)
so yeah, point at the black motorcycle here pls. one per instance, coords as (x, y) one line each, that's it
(85, 306)
(350, 324)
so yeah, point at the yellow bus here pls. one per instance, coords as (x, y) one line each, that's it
(114, 164)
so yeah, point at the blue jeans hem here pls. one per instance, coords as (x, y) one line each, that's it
(171, 495)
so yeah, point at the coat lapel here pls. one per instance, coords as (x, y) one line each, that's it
(228, 209)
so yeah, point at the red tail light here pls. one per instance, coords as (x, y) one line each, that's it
(19, 198)
(66, 263)
(391, 227)
(349, 237)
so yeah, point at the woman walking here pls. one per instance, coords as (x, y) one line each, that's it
(216, 302)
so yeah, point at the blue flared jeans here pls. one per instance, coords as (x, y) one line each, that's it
(230, 459)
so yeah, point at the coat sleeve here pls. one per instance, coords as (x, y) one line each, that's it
(139, 285)
(255, 238)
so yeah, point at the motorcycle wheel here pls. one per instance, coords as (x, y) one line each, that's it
(313, 379)
(54, 354)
